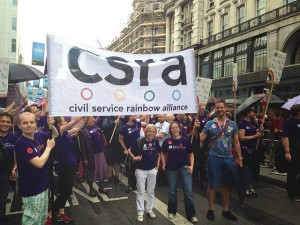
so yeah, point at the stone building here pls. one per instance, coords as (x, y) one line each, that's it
(245, 32)
(145, 32)
(8, 29)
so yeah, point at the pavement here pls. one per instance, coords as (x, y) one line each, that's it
(272, 207)
(269, 174)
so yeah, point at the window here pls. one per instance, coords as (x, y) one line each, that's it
(154, 30)
(13, 45)
(155, 42)
(217, 65)
(241, 14)
(260, 7)
(224, 21)
(210, 28)
(260, 42)
(211, 4)
(260, 53)
(228, 67)
(156, 7)
(205, 66)
(187, 39)
(229, 52)
(260, 59)
(218, 54)
(14, 23)
(15, 2)
(241, 61)
(241, 47)
(217, 69)
(289, 1)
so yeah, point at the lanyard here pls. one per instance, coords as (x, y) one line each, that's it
(221, 126)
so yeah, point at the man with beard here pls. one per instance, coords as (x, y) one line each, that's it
(223, 135)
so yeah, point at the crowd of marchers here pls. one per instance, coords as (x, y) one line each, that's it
(173, 149)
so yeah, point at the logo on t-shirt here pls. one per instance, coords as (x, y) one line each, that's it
(29, 150)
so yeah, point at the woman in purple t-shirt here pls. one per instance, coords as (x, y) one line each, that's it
(146, 154)
(178, 162)
(67, 163)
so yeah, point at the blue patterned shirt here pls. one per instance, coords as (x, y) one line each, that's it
(222, 147)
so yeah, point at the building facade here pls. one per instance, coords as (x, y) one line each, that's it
(245, 32)
(184, 24)
(8, 29)
(145, 32)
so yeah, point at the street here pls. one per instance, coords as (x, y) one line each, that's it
(272, 207)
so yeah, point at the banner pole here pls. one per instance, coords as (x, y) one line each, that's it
(113, 132)
(234, 105)
(265, 111)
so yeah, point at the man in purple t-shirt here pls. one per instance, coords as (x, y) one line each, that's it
(41, 117)
(32, 153)
(291, 144)
(6, 159)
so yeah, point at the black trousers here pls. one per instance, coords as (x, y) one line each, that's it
(4, 189)
(293, 173)
(131, 175)
(66, 177)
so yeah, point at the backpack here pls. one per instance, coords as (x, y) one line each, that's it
(140, 144)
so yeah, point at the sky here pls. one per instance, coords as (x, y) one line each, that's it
(80, 21)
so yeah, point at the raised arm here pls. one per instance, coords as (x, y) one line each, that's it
(39, 162)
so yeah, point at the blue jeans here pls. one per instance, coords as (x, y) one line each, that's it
(186, 181)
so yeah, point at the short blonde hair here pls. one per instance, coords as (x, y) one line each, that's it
(26, 114)
(149, 127)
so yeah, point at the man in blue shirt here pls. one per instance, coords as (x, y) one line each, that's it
(223, 136)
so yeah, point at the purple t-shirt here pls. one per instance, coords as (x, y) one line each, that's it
(131, 133)
(97, 138)
(150, 151)
(250, 129)
(65, 149)
(178, 152)
(9, 142)
(42, 125)
(32, 181)
(291, 127)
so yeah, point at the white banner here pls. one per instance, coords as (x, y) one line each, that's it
(88, 81)
(203, 89)
(4, 72)
(276, 67)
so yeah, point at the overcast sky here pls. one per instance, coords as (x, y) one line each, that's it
(81, 21)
